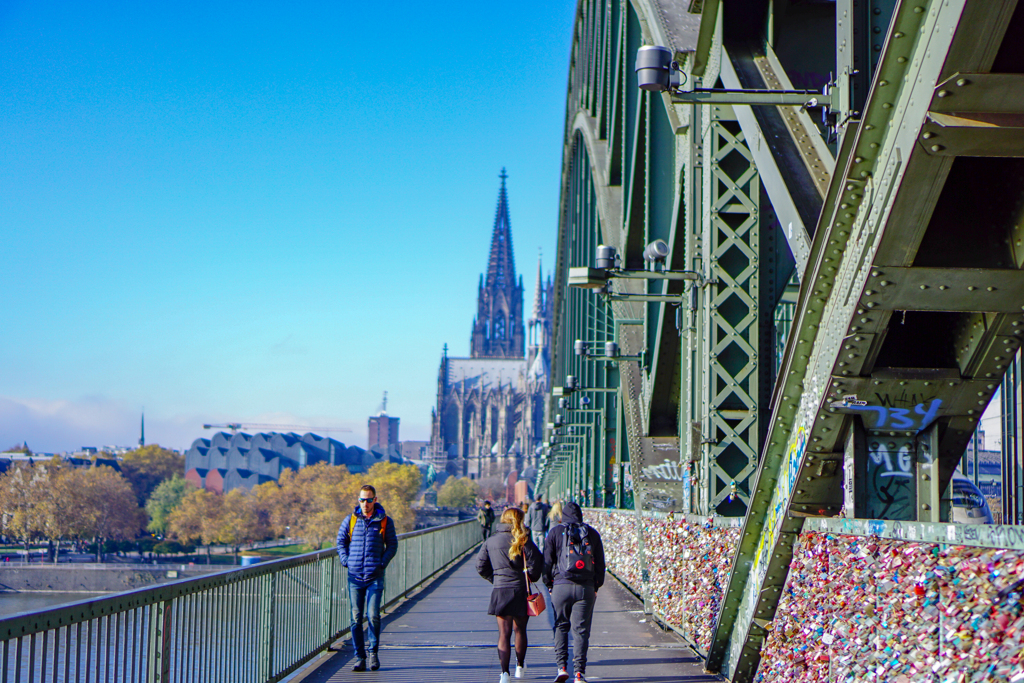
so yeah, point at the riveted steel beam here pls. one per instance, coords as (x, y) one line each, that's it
(878, 216)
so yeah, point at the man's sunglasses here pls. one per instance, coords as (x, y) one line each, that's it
(366, 500)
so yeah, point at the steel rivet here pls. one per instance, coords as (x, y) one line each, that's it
(943, 93)
(937, 148)
(928, 136)
(962, 82)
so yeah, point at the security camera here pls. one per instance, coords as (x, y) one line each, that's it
(570, 382)
(605, 256)
(580, 347)
(563, 403)
(656, 251)
(611, 349)
(585, 400)
(656, 71)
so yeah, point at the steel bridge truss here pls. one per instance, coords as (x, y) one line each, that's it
(899, 214)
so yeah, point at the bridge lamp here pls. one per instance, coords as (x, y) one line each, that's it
(657, 71)
(611, 352)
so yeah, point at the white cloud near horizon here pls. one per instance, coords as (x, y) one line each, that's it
(57, 426)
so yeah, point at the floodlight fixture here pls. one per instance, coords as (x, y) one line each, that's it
(610, 352)
(656, 252)
(658, 71)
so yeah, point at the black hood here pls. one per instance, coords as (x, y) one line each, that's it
(571, 513)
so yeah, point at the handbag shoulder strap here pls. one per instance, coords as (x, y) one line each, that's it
(529, 589)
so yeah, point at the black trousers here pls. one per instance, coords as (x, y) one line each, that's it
(573, 606)
(485, 531)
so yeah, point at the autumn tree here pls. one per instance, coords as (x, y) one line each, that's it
(21, 516)
(146, 467)
(240, 521)
(118, 516)
(311, 503)
(457, 493)
(397, 486)
(166, 496)
(190, 521)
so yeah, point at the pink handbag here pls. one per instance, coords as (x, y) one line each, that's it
(534, 601)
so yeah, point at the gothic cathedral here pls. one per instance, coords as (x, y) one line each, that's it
(489, 419)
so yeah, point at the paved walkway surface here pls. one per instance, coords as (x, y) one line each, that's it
(443, 634)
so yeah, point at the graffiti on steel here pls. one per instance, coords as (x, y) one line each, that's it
(672, 471)
(780, 501)
(889, 417)
(891, 487)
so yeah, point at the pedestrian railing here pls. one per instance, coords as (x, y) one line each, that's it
(257, 624)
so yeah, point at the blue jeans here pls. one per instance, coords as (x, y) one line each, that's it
(365, 601)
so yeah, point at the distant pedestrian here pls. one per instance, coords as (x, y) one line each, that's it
(501, 561)
(486, 519)
(555, 514)
(537, 520)
(367, 542)
(573, 572)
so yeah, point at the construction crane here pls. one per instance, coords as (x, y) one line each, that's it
(236, 426)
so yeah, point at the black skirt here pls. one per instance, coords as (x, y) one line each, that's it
(508, 602)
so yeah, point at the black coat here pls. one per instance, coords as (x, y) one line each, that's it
(554, 548)
(493, 563)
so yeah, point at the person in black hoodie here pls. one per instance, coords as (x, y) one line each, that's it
(573, 572)
(501, 561)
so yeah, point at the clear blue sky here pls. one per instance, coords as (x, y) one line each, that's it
(263, 212)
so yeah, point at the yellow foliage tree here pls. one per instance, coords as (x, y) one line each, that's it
(22, 487)
(116, 515)
(147, 466)
(397, 486)
(457, 493)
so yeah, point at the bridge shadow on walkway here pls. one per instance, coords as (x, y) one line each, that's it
(443, 634)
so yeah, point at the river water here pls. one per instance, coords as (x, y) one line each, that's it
(13, 603)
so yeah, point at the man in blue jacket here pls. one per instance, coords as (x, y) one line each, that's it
(367, 542)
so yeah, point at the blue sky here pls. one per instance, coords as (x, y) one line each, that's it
(260, 212)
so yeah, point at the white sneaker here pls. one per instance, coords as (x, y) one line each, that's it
(504, 678)
(520, 671)
(562, 675)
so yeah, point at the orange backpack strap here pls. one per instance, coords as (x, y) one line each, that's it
(352, 526)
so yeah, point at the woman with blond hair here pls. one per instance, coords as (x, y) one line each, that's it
(555, 514)
(501, 561)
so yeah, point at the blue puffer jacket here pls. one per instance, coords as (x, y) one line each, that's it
(369, 551)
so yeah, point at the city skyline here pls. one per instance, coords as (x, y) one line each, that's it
(233, 214)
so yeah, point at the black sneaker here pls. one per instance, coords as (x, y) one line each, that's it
(374, 661)
(360, 665)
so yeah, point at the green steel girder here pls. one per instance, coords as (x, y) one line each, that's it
(886, 217)
(731, 317)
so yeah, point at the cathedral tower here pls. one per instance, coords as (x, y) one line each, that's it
(498, 330)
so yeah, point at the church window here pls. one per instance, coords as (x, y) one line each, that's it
(499, 328)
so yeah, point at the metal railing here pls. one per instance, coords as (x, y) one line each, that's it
(257, 624)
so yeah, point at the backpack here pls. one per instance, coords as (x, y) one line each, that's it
(577, 561)
(352, 527)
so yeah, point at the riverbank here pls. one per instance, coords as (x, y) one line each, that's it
(94, 578)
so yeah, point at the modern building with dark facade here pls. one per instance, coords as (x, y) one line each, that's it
(230, 461)
(382, 432)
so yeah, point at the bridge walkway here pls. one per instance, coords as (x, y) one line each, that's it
(443, 634)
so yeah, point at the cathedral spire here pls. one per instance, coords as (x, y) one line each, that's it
(538, 295)
(501, 267)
